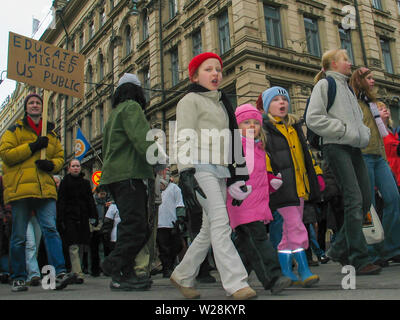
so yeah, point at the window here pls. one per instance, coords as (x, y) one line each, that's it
(398, 5)
(100, 112)
(196, 43)
(173, 8)
(387, 57)
(91, 30)
(146, 83)
(345, 42)
(174, 66)
(377, 4)
(111, 4)
(273, 26)
(102, 18)
(89, 126)
(128, 41)
(101, 67)
(90, 78)
(145, 25)
(223, 32)
(312, 36)
(81, 41)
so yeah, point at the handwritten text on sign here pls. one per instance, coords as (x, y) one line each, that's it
(45, 66)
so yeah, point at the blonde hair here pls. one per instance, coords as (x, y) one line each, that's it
(380, 106)
(327, 58)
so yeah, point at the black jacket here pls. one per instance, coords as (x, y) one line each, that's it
(281, 161)
(75, 205)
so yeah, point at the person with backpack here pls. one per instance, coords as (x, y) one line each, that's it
(343, 136)
(290, 155)
(380, 174)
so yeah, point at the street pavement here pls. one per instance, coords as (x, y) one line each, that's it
(385, 286)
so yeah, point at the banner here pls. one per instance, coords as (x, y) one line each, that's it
(82, 146)
(45, 66)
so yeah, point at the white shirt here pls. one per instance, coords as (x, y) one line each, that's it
(113, 213)
(171, 199)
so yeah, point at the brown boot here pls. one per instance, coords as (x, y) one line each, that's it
(244, 294)
(187, 292)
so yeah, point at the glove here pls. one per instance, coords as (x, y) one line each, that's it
(40, 143)
(239, 202)
(275, 181)
(45, 165)
(189, 185)
(321, 183)
(94, 222)
(237, 192)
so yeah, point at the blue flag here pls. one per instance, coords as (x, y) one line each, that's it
(81, 145)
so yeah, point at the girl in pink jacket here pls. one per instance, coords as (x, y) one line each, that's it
(248, 218)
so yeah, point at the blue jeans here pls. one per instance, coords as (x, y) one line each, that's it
(314, 243)
(275, 229)
(380, 176)
(46, 214)
(33, 235)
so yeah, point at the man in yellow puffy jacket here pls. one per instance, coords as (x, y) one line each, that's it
(29, 186)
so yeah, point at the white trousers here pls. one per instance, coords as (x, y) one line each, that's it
(215, 231)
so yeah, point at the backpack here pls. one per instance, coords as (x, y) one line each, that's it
(313, 139)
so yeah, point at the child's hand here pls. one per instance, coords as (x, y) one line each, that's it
(275, 181)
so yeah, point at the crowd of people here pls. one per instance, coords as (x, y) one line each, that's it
(262, 200)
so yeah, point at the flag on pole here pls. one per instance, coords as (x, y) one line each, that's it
(81, 145)
(35, 26)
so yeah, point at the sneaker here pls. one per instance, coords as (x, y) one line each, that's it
(324, 259)
(280, 284)
(18, 286)
(34, 282)
(63, 279)
(126, 285)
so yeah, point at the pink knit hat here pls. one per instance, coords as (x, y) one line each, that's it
(247, 111)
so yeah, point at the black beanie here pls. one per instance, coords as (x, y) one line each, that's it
(33, 94)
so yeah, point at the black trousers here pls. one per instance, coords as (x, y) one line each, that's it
(169, 245)
(257, 253)
(133, 231)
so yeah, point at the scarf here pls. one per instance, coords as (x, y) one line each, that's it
(237, 156)
(34, 126)
(375, 113)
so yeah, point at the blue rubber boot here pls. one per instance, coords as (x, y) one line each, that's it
(307, 278)
(285, 260)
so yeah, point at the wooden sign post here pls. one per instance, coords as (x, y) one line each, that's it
(44, 121)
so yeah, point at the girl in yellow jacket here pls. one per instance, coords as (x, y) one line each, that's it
(289, 155)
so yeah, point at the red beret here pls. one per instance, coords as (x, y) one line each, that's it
(198, 60)
(260, 103)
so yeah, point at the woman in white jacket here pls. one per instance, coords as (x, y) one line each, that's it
(343, 135)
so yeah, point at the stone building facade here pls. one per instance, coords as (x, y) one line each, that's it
(262, 43)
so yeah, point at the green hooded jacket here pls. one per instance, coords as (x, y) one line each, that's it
(125, 146)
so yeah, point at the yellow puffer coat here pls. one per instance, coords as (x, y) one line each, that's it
(22, 179)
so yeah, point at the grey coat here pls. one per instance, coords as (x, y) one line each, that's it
(344, 122)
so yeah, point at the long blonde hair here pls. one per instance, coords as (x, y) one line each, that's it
(289, 120)
(327, 58)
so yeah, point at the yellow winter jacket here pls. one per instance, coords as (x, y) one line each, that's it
(21, 178)
(302, 183)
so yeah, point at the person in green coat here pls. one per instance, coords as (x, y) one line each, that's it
(124, 173)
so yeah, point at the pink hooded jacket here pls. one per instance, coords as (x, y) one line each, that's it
(256, 206)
